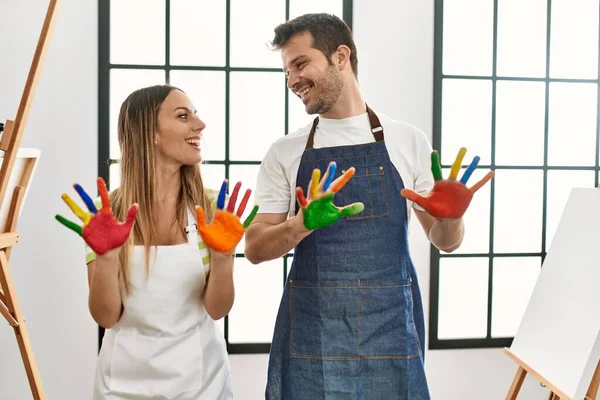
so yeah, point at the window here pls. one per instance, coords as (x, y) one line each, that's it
(220, 57)
(517, 84)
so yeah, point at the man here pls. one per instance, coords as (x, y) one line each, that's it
(350, 323)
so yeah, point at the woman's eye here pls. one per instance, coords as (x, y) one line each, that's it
(184, 116)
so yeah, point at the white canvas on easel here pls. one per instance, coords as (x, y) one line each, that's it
(22, 171)
(558, 338)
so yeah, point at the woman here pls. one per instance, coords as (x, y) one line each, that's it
(152, 289)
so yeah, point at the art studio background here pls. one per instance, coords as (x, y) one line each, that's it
(541, 142)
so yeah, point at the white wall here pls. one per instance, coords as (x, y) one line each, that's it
(47, 266)
(395, 47)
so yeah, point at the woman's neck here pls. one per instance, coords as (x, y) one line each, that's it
(168, 185)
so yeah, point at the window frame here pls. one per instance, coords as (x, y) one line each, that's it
(435, 255)
(104, 160)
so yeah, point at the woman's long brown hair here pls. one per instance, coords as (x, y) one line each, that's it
(137, 125)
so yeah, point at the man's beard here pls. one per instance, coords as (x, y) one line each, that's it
(329, 91)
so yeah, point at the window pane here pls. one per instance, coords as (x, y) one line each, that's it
(572, 124)
(560, 184)
(258, 291)
(297, 116)
(213, 176)
(122, 83)
(301, 7)
(514, 280)
(522, 38)
(192, 23)
(257, 113)
(574, 39)
(247, 175)
(252, 32)
(114, 177)
(463, 293)
(137, 32)
(466, 118)
(477, 217)
(520, 116)
(206, 89)
(518, 211)
(468, 40)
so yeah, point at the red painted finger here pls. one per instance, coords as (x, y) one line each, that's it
(233, 198)
(242, 207)
(300, 196)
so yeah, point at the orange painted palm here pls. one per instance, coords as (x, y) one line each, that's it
(226, 230)
(449, 198)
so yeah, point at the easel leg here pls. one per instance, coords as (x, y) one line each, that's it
(33, 375)
(516, 385)
(594, 385)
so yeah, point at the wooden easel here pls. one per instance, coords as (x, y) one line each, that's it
(9, 143)
(555, 394)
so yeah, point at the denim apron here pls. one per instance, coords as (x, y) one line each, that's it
(350, 323)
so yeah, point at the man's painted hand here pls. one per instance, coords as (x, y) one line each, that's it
(318, 208)
(449, 198)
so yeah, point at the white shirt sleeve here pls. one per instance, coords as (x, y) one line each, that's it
(272, 193)
(423, 176)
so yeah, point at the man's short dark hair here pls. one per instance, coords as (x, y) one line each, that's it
(328, 31)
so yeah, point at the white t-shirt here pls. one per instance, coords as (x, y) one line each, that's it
(408, 148)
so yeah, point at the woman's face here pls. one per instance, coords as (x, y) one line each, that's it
(179, 131)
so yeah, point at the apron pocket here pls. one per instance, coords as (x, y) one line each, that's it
(324, 319)
(387, 328)
(368, 187)
(155, 366)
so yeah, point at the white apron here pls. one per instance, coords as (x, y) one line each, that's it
(165, 346)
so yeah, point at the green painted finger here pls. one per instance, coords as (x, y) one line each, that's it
(69, 224)
(436, 167)
(251, 216)
(352, 209)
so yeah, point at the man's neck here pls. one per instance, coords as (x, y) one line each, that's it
(350, 104)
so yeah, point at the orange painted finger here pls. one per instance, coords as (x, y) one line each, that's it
(343, 179)
(482, 182)
(415, 197)
(200, 217)
(103, 194)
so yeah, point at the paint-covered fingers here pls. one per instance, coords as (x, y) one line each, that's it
(415, 197)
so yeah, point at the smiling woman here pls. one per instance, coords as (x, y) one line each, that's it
(159, 284)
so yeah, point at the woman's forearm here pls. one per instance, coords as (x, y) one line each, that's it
(219, 293)
(105, 297)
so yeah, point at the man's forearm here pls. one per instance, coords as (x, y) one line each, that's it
(447, 234)
(266, 242)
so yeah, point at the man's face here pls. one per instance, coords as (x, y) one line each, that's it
(311, 76)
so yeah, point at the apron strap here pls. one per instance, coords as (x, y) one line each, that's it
(191, 230)
(376, 128)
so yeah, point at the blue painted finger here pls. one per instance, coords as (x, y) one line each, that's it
(469, 170)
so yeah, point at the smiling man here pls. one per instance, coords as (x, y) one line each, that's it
(350, 323)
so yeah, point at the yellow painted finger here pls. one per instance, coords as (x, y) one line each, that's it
(457, 163)
(82, 215)
(316, 177)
